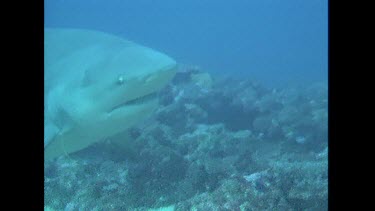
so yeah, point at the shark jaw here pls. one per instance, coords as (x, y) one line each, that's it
(137, 101)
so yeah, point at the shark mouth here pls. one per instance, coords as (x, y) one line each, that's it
(137, 101)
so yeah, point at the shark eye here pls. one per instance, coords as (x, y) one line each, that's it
(120, 80)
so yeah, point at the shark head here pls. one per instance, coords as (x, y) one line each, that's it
(97, 85)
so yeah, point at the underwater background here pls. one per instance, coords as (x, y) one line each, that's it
(242, 126)
(276, 42)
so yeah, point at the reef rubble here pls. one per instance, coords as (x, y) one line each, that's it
(215, 143)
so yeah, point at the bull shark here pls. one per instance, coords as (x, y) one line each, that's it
(95, 86)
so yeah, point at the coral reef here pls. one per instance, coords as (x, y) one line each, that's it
(214, 144)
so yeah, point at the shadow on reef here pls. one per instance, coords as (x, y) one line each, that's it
(213, 144)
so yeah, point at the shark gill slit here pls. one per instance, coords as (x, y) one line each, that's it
(65, 152)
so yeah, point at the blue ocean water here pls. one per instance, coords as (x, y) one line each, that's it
(242, 125)
(276, 42)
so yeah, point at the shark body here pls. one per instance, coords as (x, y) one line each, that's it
(95, 86)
